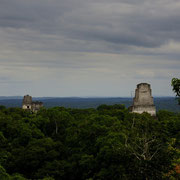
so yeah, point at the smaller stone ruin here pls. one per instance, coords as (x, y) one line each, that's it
(143, 100)
(30, 105)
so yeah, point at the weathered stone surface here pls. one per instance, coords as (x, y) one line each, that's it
(30, 105)
(27, 99)
(143, 100)
(27, 102)
(36, 106)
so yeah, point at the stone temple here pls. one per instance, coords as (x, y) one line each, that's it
(30, 105)
(143, 100)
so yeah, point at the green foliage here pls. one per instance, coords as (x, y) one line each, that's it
(104, 143)
(3, 174)
(175, 83)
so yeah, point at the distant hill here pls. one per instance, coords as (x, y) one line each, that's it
(166, 103)
(10, 97)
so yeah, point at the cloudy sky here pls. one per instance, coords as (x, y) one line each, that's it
(88, 47)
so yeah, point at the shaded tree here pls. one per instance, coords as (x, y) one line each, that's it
(175, 83)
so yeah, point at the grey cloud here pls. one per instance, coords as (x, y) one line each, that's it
(4, 78)
(89, 42)
(142, 25)
(9, 80)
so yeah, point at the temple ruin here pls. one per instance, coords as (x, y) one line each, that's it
(143, 100)
(30, 105)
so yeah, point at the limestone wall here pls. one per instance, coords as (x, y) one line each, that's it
(36, 106)
(28, 104)
(27, 99)
(143, 100)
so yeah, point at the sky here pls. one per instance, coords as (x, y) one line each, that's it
(88, 48)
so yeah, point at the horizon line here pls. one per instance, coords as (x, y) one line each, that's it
(155, 96)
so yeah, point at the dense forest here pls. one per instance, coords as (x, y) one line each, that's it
(88, 144)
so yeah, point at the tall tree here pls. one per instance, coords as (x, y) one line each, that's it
(175, 83)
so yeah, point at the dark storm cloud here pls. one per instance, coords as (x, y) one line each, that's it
(82, 25)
